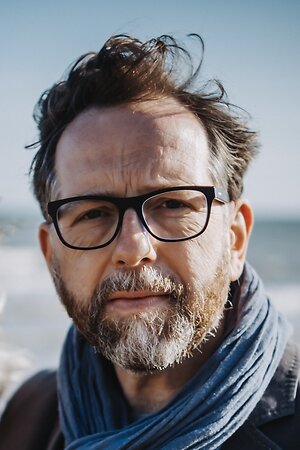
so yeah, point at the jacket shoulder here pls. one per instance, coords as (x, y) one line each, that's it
(275, 421)
(30, 421)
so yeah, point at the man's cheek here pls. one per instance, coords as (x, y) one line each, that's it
(200, 262)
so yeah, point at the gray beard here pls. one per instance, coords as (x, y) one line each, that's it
(150, 340)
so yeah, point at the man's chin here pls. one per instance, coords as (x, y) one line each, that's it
(148, 342)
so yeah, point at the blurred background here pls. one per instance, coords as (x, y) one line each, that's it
(252, 47)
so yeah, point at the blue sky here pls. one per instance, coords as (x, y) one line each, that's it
(252, 47)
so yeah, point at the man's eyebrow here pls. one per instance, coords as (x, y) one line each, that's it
(98, 192)
(144, 190)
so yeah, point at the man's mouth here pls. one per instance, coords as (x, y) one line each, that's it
(136, 301)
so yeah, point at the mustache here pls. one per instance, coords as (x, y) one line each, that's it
(147, 279)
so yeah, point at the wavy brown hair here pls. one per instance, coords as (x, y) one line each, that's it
(127, 70)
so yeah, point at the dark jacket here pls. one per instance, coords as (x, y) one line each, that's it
(30, 421)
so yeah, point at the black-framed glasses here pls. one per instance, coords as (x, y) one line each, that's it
(170, 215)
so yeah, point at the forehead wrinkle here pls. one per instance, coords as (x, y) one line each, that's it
(133, 171)
(158, 163)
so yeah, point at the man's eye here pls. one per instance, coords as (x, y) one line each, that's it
(173, 204)
(94, 214)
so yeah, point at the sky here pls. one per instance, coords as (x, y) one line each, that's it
(251, 47)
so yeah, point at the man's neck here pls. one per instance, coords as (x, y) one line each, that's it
(149, 393)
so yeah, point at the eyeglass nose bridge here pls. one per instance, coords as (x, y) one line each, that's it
(135, 203)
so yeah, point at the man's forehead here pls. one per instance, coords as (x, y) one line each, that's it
(166, 117)
(146, 137)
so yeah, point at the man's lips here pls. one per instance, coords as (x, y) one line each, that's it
(133, 295)
(136, 300)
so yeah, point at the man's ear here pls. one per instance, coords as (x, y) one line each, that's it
(45, 243)
(241, 222)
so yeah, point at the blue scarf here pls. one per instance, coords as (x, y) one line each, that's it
(203, 415)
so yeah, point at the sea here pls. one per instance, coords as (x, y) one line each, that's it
(34, 321)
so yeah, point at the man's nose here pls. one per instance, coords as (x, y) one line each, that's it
(133, 244)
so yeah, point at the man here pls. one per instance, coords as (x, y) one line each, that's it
(174, 345)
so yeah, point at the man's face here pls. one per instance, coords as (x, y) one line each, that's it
(144, 303)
